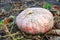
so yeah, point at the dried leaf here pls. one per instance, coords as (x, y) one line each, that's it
(6, 21)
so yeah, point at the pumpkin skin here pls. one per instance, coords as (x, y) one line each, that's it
(38, 21)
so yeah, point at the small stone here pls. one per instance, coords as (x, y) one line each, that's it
(57, 38)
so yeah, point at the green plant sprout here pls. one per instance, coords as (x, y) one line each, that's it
(1, 22)
(12, 16)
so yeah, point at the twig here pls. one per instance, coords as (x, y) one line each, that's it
(54, 32)
(10, 35)
(5, 29)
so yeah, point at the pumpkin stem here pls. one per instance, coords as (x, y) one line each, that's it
(30, 12)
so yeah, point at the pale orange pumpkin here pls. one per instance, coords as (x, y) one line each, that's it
(35, 20)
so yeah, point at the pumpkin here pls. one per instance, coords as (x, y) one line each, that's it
(35, 20)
